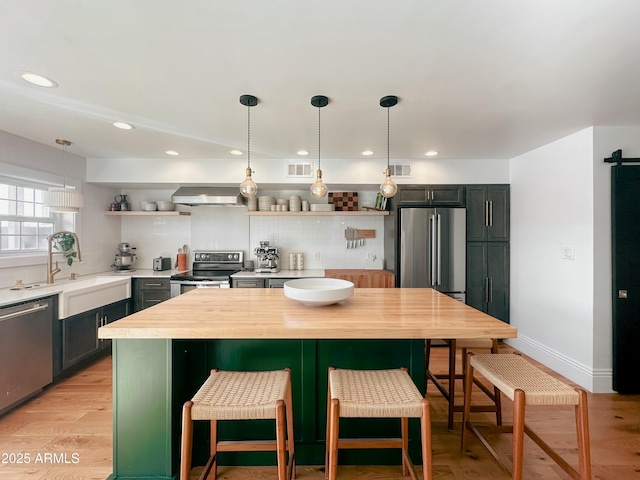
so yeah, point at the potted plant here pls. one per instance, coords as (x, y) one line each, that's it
(65, 242)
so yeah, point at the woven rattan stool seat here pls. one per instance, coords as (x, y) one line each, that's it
(231, 395)
(240, 395)
(474, 343)
(526, 384)
(375, 393)
(510, 372)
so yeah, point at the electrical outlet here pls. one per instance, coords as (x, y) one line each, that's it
(568, 252)
(316, 256)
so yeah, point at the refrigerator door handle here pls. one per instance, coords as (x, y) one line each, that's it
(432, 250)
(439, 249)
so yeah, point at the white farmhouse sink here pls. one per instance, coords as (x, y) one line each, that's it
(83, 295)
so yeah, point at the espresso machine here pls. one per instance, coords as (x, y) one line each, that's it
(268, 258)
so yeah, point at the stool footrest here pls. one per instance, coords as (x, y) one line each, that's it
(370, 443)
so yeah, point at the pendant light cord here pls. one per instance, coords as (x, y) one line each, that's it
(318, 138)
(388, 137)
(248, 136)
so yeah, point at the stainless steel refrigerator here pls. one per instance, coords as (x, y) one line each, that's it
(432, 249)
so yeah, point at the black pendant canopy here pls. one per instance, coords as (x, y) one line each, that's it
(388, 101)
(319, 101)
(248, 100)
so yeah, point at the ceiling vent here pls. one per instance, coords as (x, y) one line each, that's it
(300, 170)
(400, 170)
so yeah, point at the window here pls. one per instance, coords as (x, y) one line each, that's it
(25, 221)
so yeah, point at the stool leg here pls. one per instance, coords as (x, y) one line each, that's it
(468, 385)
(281, 445)
(427, 358)
(425, 433)
(334, 419)
(187, 441)
(290, 435)
(328, 432)
(404, 433)
(452, 381)
(582, 427)
(496, 390)
(518, 432)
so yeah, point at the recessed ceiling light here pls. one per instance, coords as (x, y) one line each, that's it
(123, 125)
(235, 152)
(367, 153)
(39, 80)
(302, 152)
(431, 153)
(172, 152)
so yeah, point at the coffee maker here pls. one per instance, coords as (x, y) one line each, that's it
(268, 258)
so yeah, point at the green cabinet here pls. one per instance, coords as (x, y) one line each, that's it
(488, 249)
(80, 332)
(488, 278)
(148, 292)
(488, 213)
(430, 195)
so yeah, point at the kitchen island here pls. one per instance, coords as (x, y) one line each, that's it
(162, 354)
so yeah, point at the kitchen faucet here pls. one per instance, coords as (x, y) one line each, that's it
(51, 272)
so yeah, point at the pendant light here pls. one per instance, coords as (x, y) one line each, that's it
(319, 189)
(248, 187)
(64, 199)
(388, 188)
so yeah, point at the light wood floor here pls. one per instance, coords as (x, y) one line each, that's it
(66, 431)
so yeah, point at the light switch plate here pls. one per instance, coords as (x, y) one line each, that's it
(568, 252)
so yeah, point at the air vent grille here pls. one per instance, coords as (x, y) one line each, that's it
(300, 170)
(400, 170)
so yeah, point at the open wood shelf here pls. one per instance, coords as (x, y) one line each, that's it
(156, 213)
(362, 213)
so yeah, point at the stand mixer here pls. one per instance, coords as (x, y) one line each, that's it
(125, 257)
(268, 258)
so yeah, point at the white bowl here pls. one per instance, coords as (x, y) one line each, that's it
(316, 292)
(149, 206)
(165, 206)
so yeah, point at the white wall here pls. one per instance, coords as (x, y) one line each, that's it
(98, 235)
(551, 297)
(560, 196)
(273, 172)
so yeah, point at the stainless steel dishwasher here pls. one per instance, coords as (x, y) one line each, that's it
(26, 344)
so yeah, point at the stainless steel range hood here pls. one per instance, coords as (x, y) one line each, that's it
(226, 197)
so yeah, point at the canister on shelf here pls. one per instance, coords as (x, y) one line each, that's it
(299, 261)
(292, 261)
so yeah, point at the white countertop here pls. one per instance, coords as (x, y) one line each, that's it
(39, 290)
(281, 274)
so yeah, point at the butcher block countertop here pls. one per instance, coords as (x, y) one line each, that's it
(262, 313)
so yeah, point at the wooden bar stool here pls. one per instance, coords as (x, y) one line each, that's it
(229, 395)
(376, 394)
(526, 384)
(449, 392)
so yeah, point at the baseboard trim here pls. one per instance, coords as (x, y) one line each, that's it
(592, 380)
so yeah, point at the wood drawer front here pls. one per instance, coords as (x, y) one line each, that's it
(364, 278)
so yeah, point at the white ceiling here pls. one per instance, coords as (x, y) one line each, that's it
(475, 79)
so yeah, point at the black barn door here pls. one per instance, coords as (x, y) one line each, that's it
(625, 217)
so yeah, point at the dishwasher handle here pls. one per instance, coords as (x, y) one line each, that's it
(35, 307)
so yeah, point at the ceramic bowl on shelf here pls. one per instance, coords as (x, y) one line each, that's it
(316, 292)
(148, 206)
(165, 206)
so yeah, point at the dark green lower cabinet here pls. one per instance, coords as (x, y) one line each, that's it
(153, 378)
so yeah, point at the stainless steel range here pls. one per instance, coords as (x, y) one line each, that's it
(210, 269)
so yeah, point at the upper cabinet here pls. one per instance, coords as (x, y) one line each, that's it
(430, 195)
(488, 213)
